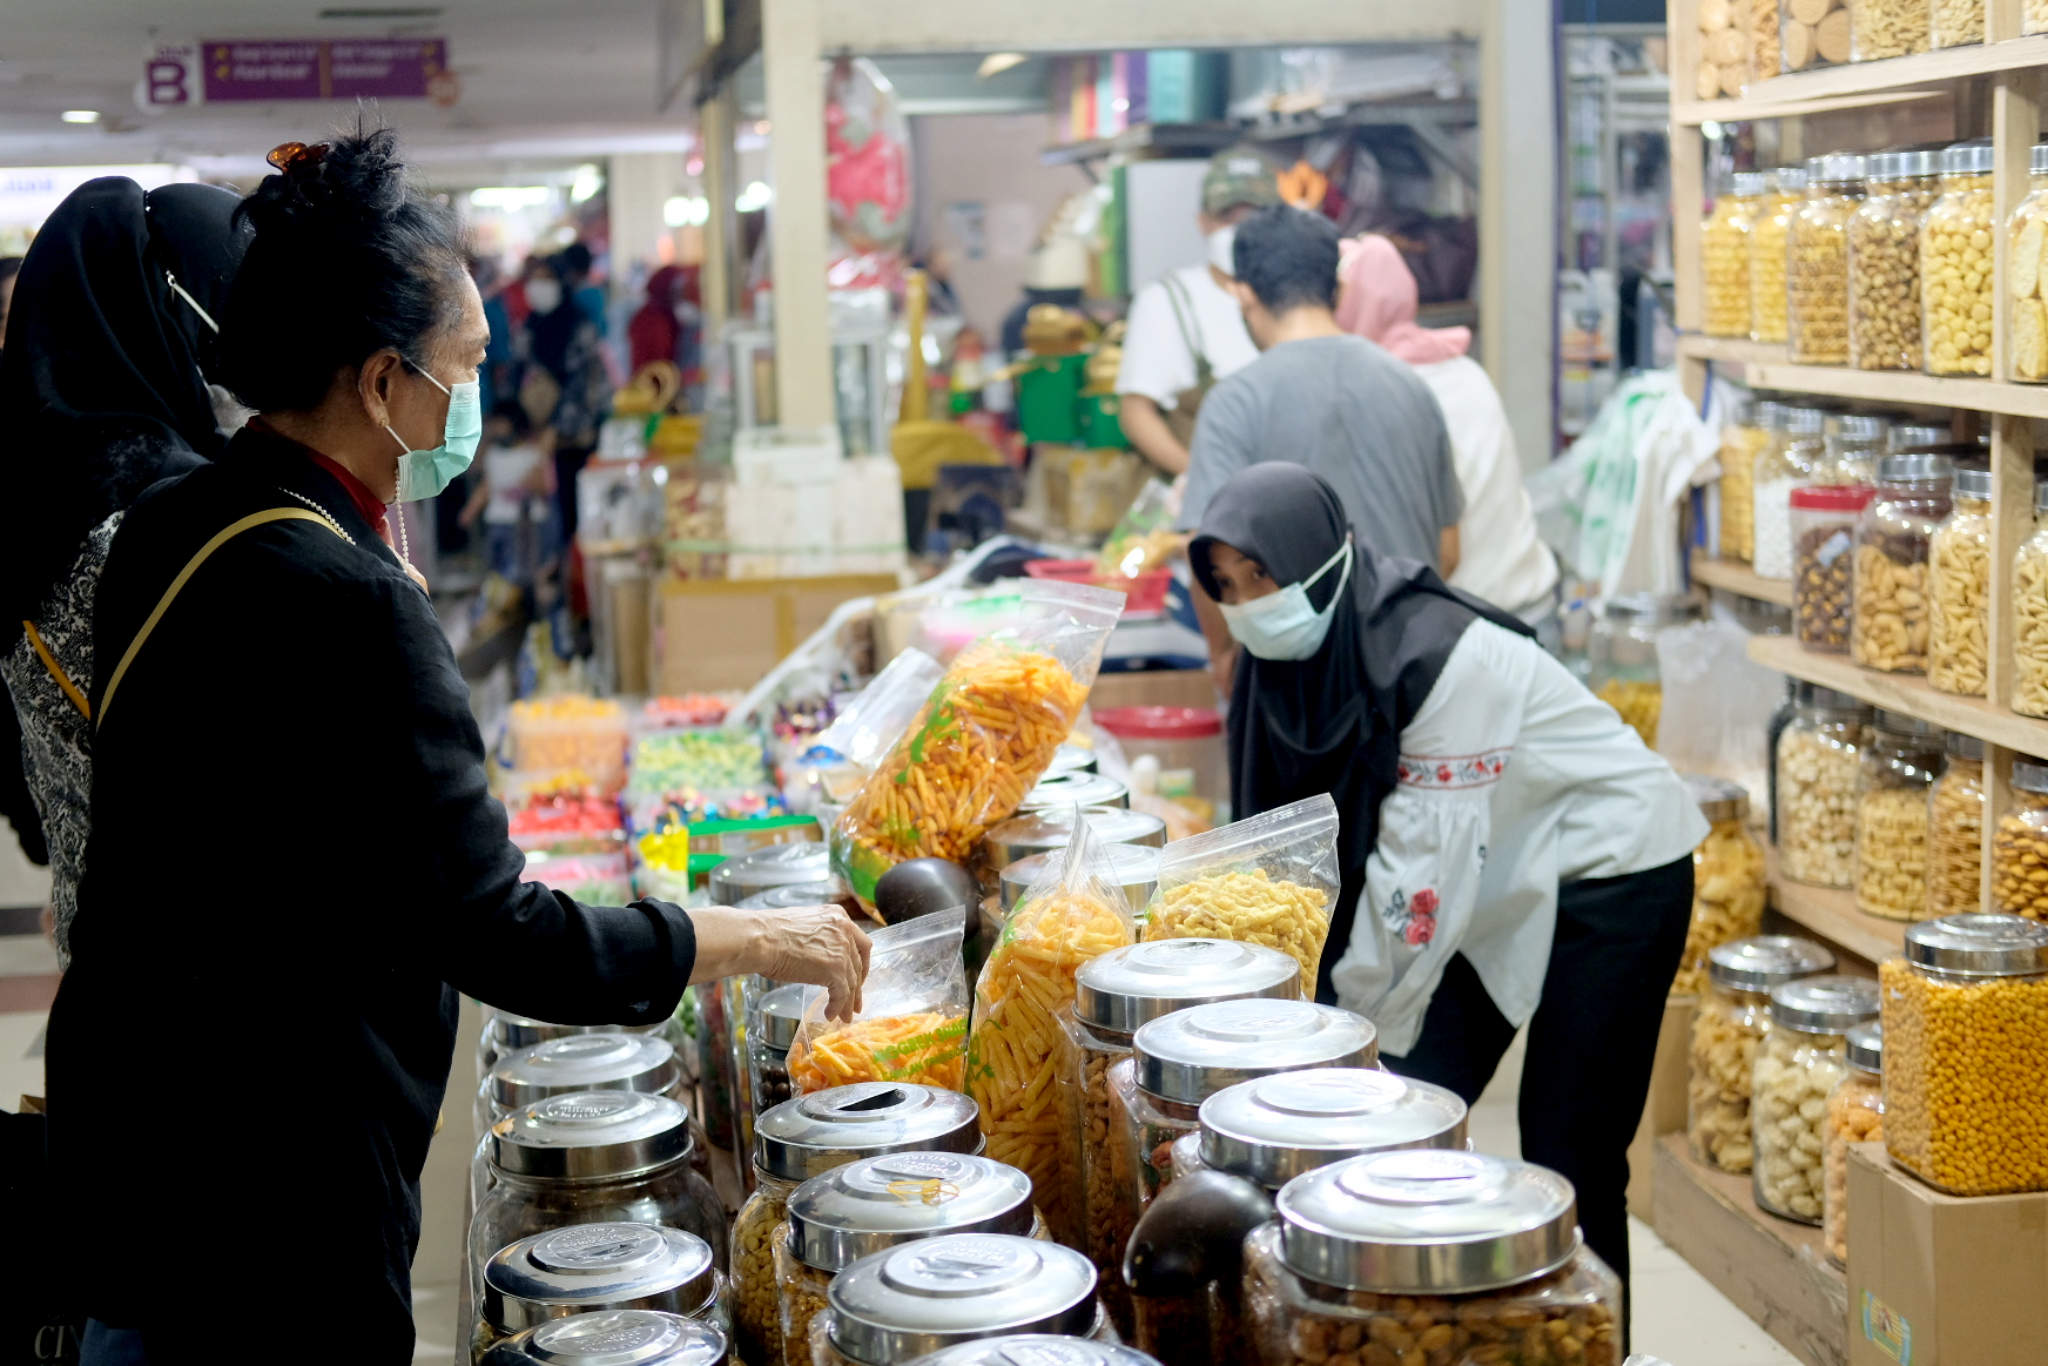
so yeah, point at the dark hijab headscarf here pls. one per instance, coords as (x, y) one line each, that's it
(101, 380)
(1332, 722)
(552, 333)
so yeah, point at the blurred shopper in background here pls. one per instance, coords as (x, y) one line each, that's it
(514, 496)
(563, 385)
(669, 325)
(1058, 275)
(1501, 559)
(573, 265)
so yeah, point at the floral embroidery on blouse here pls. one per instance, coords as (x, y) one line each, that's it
(1452, 772)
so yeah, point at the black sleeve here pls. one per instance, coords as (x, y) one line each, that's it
(16, 803)
(512, 944)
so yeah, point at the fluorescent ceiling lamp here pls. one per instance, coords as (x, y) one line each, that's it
(755, 197)
(511, 197)
(996, 63)
(589, 180)
(686, 211)
(80, 116)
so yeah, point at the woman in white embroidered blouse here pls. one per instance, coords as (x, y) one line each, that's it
(1512, 854)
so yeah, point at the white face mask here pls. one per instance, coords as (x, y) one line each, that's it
(544, 296)
(1222, 243)
(1285, 625)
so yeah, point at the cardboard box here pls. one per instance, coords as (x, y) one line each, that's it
(727, 634)
(1664, 1108)
(1155, 688)
(1942, 1280)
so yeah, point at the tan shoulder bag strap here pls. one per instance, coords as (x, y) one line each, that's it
(204, 553)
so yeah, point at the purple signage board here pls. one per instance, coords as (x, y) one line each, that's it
(319, 69)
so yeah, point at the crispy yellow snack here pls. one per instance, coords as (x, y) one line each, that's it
(1248, 908)
(926, 1048)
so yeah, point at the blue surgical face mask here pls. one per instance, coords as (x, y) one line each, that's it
(422, 474)
(1285, 625)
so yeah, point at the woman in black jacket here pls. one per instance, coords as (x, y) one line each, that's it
(295, 864)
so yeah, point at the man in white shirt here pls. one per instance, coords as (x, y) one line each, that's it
(1185, 330)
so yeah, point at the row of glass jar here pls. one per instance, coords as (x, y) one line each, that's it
(1744, 41)
(652, 1337)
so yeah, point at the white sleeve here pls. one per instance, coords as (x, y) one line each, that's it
(1156, 359)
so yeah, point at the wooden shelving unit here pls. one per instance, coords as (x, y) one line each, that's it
(1908, 693)
(1864, 85)
(1764, 366)
(1736, 577)
(1832, 915)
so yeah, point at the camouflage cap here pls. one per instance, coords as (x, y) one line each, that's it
(1238, 175)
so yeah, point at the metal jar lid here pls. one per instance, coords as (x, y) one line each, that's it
(1075, 789)
(1835, 168)
(782, 1011)
(2037, 159)
(2030, 775)
(1979, 946)
(1823, 1005)
(1768, 413)
(1427, 1223)
(1915, 436)
(1655, 609)
(1190, 1055)
(597, 1266)
(1789, 179)
(1718, 799)
(779, 865)
(810, 1135)
(1964, 746)
(1974, 482)
(1036, 1349)
(618, 1337)
(1762, 962)
(514, 1032)
(1853, 429)
(1975, 157)
(933, 1293)
(1866, 1047)
(1037, 832)
(591, 1136)
(828, 893)
(1273, 1129)
(1136, 869)
(584, 1062)
(1915, 468)
(1902, 726)
(1804, 421)
(878, 1203)
(1747, 184)
(1072, 758)
(1129, 987)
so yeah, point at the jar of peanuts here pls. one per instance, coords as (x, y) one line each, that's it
(1966, 1054)
(1622, 654)
(1801, 1059)
(1855, 1115)
(1819, 760)
(1817, 267)
(1724, 256)
(1824, 519)
(1884, 260)
(1728, 887)
(1955, 264)
(1796, 447)
(1955, 829)
(1889, 630)
(1744, 433)
(1898, 768)
(1958, 23)
(1770, 237)
(1815, 33)
(2030, 614)
(2027, 245)
(2019, 847)
(1430, 1256)
(1886, 28)
(1731, 1020)
(1959, 589)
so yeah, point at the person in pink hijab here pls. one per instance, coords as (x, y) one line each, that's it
(1502, 560)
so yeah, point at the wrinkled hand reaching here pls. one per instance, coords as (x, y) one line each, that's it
(816, 945)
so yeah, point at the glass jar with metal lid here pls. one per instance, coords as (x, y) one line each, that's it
(1414, 1249)
(1819, 758)
(1136, 873)
(1272, 1129)
(910, 1301)
(1958, 23)
(2027, 231)
(504, 1034)
(1884, 260)
(1799, 1062)
(1728, 884)
(1851, 444)
(1745, 431)
(1956, 251)
(1731, 1021)
(1889, 632)
(2019, 849)
(1966, 1054)
(608, 1264)
(1824, 522)
(1724, 257)
(1959, 589)
(879, 1203)
(1817, 266)
(1040, 832)
(1036, 1349)
(764, 870)
(1114, 996)
(1955, 829)
(1622, 652)
(1787, 463)
(1073, 758)
(1855, 1115)
(1900, 760)
(2030, 614)
(772, 1021)
(1770, 236)
(1076, 789)
(621, 1337)
(808, 1137)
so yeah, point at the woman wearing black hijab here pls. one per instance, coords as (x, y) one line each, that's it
(1512, 855)
(104, 380)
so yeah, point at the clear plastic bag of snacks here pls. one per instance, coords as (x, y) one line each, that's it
(982, 739)
(879, 713)
(1268, 880)
(1144, 537)
(912, 1024)
(1074, 912)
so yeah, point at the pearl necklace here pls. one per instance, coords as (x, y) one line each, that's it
(325, 515)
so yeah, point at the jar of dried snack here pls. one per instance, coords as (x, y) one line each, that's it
(908, 1301)
(2026, 245)
(2019, 848)
(1814, 33)
(1955, 264)
(772, 1022)
(1724, 257)
(1760, 17)
(1851, 446)
(1966, 1054)
(1955, 829)
(1744, 433)
(1731, 1020)
(1884, 261)
(1958, 23)
(1889, 630)
(1817, 269)
(808, 1137)
(1900, 760)
(1728, 885)
(1824, 520)
(1796, 448)
(879, 1203)
(2034, 16)
(1887, 28)
(1819, 758)
(1622, 654)
(1959, 589)
(608, 1265)
(2030, 614)
(1430, 1255)
(615, 1337)
(1855, 1115)
(1770, 237)
(1800, 1061)
(1114, 995)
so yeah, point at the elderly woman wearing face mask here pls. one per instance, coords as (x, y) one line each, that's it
(294, 855)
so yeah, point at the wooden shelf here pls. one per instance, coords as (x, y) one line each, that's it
(1734, 576)
(1773, 1270)
(1765, 367)
(1905, 693)
(1860, 85)
(1832, 915)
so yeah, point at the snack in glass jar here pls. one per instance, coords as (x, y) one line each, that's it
(1728, 886)
(2026, 247)
(1786, 464)
(1744, 435)
(2034, 16)
(1959, 589)
(1732, 1019)
(1890, 625)
(2030, 614)
(1900, 759)
(2019, 848)
(1770, 237)
(1723, 49)
(1824, 519)
(1884, 260)
(1765, 56)
(1724, 258)
(1855, 1115)
(1887, 28)
(1819, 762)
(1958, 23)
(1799, 1062)
(1956, 264)
(1955, 829)
(1817, 269)
(912, 1024)
(1814, 33)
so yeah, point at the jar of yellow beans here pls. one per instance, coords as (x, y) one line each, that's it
(1956, 263)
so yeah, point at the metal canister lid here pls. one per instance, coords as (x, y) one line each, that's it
(1747, 184)
(810, 1135)
(1273, 1129)
(1979, 945)
(1826, 699)
(782, 1011)
(1036, 1349)
(1038, 832)
(1190, 1055)
(1916, 163)
(1801, 420)
(1900, 724)
(1427, 1223)
(933, 1293)
(1789, 179)
(2037, 159)
(1853, 428)
(2030, 775)
(1718, 799)
(759, 870)
(1655, 609)
(1129, 987)
(584, 1062)
(1915, 468)
(1914, 436)
(1975, 157)
(597, 1266)
(1136, 870)
(1768, 413)
(1073, 758)
(1866, 1047)
(878, 1203)
(514, 1032)
(591, 1136)
(1763, 961)
(1973, 481)
(1823, 1005)
(1834, 168)
(826, 893)
(1075, 789)
(618, 1337)
(1964, 746)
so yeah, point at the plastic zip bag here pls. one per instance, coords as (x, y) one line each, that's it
(846, 751)
(1144, 537)
(912, 1024)
(1267, 880)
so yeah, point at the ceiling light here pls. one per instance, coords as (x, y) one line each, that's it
(511, 197)
(996, 63)
(686, 211)
(755, 197)
(589, 180)
(80, 116)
